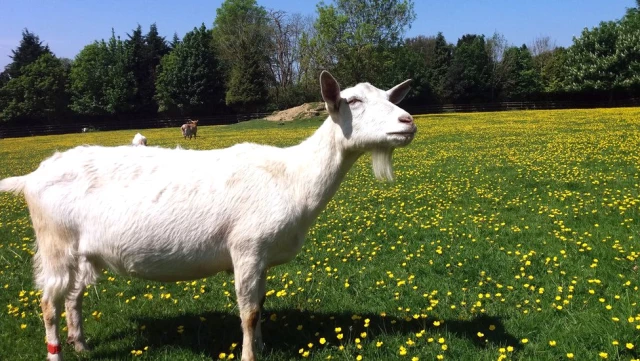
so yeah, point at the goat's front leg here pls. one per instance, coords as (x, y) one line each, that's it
(73, 308)
(250, 280)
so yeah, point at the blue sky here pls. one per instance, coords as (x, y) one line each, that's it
(68, 25)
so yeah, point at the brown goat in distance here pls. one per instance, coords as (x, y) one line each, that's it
(190, 129)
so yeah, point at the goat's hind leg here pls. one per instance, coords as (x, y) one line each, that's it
(250, 282)
(86, 274)
(54, 272)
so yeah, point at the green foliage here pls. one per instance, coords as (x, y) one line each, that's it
(592, 60)
(29, 50)
(355, 38)
(39, 92)
(495, 47)
(259, 59)
(4, 78)
(469, 74)
(607, 57)
(425, 60)
(101, 79)
(246, 88)
(189, 79)
(628, 48)
(174, 41)
(521, 79)
(414, 59)
(241, 36)
(145, 52)
(551, 67)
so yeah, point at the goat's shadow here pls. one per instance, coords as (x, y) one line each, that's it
(286, 331)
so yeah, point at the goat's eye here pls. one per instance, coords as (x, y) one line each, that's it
(353, 101)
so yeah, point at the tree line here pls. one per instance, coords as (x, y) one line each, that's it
(254, 59)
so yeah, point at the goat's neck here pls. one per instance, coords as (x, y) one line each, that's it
(322, 163)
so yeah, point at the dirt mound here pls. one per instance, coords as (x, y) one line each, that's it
(306, 110)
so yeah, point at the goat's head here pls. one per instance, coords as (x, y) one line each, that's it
(370, 120)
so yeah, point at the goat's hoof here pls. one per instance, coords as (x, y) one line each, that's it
(54, 357)
(249, 358)
(79, 346)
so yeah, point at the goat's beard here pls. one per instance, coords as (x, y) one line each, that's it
(381, 159)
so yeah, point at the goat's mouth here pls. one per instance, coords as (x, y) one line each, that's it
(410, 133)
(401, 138)
(407, 132)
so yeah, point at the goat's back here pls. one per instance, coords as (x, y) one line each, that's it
(164, 214)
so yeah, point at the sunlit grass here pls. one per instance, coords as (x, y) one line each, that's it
(510, 236)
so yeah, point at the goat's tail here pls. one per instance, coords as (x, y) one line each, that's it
(13, 184)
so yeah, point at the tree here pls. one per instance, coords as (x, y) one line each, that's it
(552, 69)
(241, 36)
(246, 89)
(521, 80)
(592, 61)
(4, 78)
(468, 77)
(496, 46)
(174, 41)
(426, 60)
(40, 92)
(189, 81)
(101, 79)
(136, 49)
(29, 50)
(628, 47)
(542, 45)
(285, 64)
(442, 62)
(416, 57)
(145, 52)
(356, 37)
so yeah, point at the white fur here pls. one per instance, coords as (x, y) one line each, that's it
(139, 139)
(131, 210)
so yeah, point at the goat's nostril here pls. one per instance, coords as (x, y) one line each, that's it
(406, 119)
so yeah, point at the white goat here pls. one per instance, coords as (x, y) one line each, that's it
(139, 139)
(128, 210)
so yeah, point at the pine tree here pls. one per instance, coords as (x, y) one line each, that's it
(145, 52)
(469, 74)
(189, 81)
(29, 50)
(241, 37)
(174, 41)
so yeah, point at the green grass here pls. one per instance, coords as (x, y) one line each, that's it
(509, 235)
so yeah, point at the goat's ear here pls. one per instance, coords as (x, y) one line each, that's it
(398, 92)
(330, 91)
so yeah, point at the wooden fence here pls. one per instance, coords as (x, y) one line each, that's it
(98, 125)
(25, 131)
(504, 106)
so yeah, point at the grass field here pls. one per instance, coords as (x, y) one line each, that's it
(512, 236)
